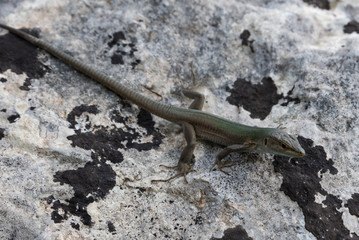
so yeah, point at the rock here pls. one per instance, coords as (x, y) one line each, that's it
(76, 160)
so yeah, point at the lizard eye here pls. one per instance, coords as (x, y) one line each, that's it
(284, 146)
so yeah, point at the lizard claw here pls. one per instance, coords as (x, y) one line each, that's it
(222, 165)
(174, 177)
(183, 170)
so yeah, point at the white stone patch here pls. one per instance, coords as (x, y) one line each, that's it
(319, 198)
(350, 221)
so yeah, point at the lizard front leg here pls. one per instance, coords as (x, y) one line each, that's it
(246, 147)
(186, 160)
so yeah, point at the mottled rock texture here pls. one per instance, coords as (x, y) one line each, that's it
(76, 160)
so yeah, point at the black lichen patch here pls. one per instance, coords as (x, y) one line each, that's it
(20, 56)
(117, 59)
(135, 63)
(94, 181)
(95, 178)
(2, 133)
(124, 49)
(235, 233)
(352, 26)
(26, 85)
(198, 220)
(76, 206)
(301, 183)
(117, 37)
(353, 205)
(323, 4)
(90, 183)
(289, 98)
(50, 199)
(145, 120)
(117, 117)
(111, 227)
(258, 99)
(245, 35)
(78, 111)
(13, 118)
(105, 142)
(75, 226)
(3, 80)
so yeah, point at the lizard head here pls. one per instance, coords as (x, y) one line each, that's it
(281, 143)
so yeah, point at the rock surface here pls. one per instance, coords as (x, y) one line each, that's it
(76, 160)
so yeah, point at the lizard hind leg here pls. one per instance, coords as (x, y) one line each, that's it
(198, 98)
(192, 94)
(186, 160)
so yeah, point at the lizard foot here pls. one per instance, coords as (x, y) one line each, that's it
(183, 170)
(222, 165)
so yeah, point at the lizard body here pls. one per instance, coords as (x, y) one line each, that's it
(235, 137)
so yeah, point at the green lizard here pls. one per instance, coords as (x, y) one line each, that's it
(195, 123)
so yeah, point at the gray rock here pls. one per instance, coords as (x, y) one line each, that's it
(76, 161)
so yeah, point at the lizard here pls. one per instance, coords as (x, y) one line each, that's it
(233, 136)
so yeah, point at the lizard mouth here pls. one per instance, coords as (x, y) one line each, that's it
(298, 153)
(301, 154)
